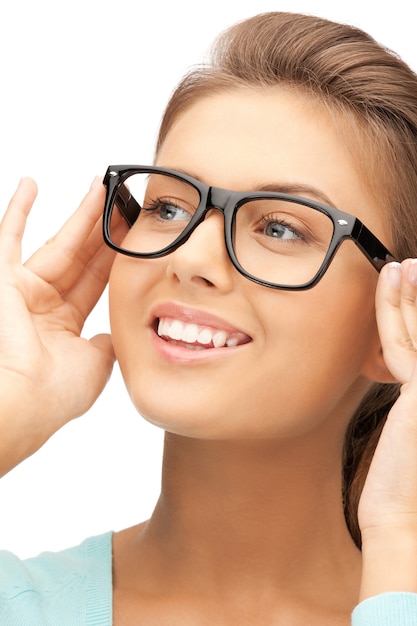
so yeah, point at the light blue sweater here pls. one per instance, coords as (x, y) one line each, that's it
(68, 588)
(74, 588)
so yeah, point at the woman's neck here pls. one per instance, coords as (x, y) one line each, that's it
(251, 498)
(249, 518)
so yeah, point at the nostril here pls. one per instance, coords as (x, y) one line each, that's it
(205, 281)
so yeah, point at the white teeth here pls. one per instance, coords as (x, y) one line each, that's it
(205, 336)
(175, 331)
(219, 339)
(163, 327)
(190, 333)
(193, 334)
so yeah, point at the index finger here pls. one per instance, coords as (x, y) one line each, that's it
(65, 255)
(12, 225)
(396, 314)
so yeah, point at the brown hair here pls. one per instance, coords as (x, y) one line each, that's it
(373, 96)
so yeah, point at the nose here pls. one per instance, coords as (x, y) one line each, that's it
(203, 259)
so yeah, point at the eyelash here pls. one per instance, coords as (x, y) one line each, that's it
(153, 205)
(268, 219)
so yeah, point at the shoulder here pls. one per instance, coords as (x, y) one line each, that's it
(70, 587)
(387, 609)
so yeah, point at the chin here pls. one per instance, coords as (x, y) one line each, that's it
(183, 425)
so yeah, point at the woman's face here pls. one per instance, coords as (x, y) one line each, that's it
(302, 359)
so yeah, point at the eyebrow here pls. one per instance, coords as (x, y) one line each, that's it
(298, 189)
(292, 188)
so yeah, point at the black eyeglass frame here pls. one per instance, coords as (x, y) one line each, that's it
(345, 225)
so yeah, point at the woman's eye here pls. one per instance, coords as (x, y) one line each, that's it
(280, 230)
(168, 212)
(172, 212)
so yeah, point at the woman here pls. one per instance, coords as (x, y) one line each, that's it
(255, 345)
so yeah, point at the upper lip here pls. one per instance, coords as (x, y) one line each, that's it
(195, 316)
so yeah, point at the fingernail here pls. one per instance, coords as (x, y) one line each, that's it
(412, 272)
(394, 274)
(96, 181)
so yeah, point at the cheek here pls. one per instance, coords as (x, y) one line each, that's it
(131, 283)
(317, 353)
(304, 366)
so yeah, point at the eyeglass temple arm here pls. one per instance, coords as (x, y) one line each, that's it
(376, 252)
(127, 205)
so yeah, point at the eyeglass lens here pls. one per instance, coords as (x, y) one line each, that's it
(278, 241)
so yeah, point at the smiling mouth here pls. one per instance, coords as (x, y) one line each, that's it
(197, 337)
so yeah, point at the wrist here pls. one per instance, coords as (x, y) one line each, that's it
(389, 561)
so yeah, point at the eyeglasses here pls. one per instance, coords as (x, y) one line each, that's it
(274, 239)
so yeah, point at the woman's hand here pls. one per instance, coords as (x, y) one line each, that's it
(48, 373)
(388, 505)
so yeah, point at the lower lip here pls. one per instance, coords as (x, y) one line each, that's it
(179, 354)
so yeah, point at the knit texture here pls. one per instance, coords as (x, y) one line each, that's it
(68, 588)
(387, 609)
(74, 588)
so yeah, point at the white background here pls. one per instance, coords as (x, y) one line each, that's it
(83, 85)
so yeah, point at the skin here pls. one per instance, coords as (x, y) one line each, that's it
(249, 526)
(48, 373)
(259, 445)
(213, 142)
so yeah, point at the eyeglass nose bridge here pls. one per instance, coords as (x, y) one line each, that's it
(218, 198)
(215, 198)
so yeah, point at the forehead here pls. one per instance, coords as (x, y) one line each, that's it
(246, 138)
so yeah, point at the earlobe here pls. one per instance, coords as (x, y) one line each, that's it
(375, 368)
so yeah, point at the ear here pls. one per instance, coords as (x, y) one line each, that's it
(375, 368)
